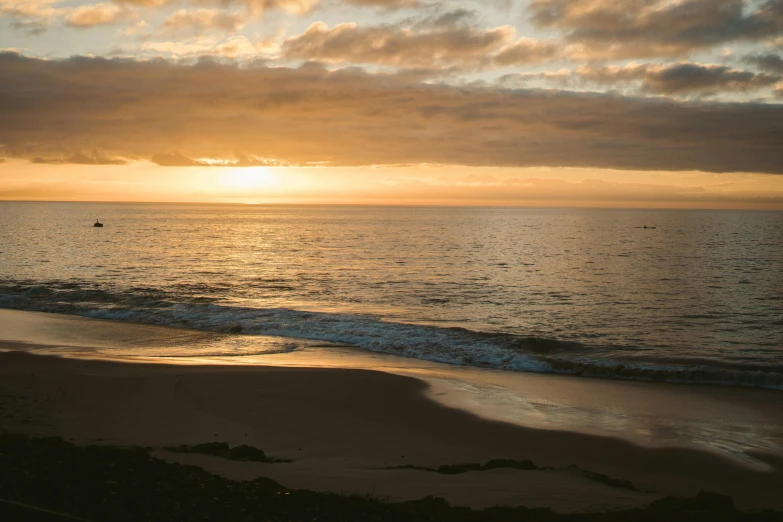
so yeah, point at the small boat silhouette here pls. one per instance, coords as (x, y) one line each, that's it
(97, 224)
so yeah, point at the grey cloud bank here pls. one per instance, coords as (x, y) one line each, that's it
(648, 28)
(144, 109)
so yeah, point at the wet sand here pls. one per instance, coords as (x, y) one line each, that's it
(342, 427)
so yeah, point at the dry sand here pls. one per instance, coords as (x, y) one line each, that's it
(342, 427)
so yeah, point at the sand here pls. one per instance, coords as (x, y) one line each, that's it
(342, 427)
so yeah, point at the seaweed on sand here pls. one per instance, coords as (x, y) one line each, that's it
(526, 465)
(222, 449)
(104, 483)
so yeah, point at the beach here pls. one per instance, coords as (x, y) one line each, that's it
(342, 428)
(391, 261)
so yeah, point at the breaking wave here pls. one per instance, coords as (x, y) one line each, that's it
(457, 346)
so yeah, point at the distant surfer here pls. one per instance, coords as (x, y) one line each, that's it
(97, 223)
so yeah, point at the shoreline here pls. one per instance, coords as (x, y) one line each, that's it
(731, 421)
(535, 355)
(342, 427)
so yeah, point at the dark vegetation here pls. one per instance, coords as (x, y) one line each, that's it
(456, 469)
(222, 449)
(104, 483)
(527, 465)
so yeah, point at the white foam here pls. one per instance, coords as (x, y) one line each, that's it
(445, 345)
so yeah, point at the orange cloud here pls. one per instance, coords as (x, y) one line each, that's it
(349, 117)
(527, 51)
(438, 42)
(233, 47)
(461, 46)
(200, 21)
(81, 158)
(32, 16)
(92, 15)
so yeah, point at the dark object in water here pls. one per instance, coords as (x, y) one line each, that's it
(650, 228)
(97, 224)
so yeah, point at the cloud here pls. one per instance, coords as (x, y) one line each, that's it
(767, 62)
(143, 3)
(443, 41)
(388, 4)
(233, 47)
(256, 8)
(81, 158)
(177, 159)
(526, 51)
(693, 77)
(31, 16)
(621, 29)
(38, 9)
(560, 76)
(392, 46)
(140, 27)
(92, 15)
(450, 18)
(200, 21)
(259, 7)
(35, 16)
(238, 46)
(31, 27)
(679, 78)
(612, 74)
(349, 117)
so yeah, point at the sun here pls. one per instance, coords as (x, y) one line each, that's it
(248, 178)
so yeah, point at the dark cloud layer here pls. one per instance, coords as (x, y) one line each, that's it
(146, 109)
(692, 77)
(646, 28)
(768, 62)
(679, 78)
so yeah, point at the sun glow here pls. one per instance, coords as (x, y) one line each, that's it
(248, 178)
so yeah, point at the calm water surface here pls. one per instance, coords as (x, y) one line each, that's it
(697, 298)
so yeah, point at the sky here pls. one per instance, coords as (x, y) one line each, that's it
(605, 103)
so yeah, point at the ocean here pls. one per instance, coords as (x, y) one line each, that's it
(697, 296)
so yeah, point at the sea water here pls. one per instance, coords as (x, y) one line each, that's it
(697, 296)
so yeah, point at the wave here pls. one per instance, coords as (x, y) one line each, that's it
(450, 345)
